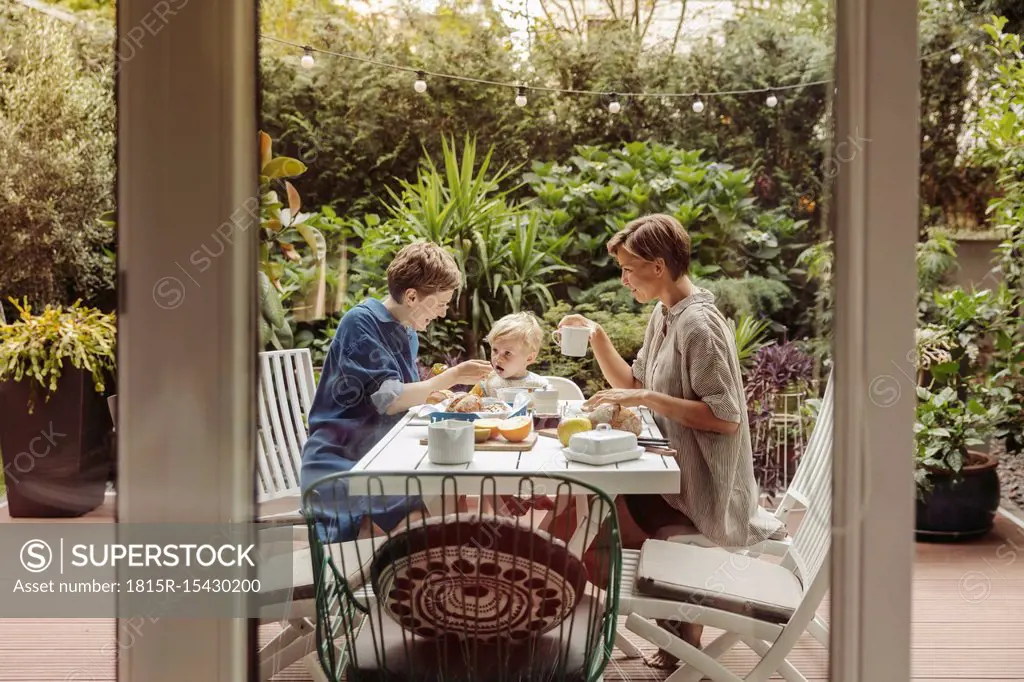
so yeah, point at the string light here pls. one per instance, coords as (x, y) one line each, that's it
(521, 97)
(614, 106)
(307, 58)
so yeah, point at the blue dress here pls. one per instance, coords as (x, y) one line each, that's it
(371, 356)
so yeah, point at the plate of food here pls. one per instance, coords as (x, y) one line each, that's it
(462, 403)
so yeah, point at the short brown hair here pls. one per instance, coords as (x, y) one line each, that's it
(656, 236)
(425, 267)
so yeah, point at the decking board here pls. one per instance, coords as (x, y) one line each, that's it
(979, 585)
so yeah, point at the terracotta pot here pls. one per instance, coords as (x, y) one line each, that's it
(962, 510)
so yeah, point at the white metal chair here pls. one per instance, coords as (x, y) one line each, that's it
(814, 464)
(764, 604)
(567, 389)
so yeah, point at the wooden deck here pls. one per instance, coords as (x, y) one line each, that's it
(968, 617)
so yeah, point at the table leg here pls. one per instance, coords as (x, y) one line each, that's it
(434, 506)
(587, 528)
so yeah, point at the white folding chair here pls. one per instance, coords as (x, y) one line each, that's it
(567, 389)
(297, 638)
(813, 464)
(285, 397)
(766, 605)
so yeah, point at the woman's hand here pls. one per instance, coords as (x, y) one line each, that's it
(627, 397)
(579, 321)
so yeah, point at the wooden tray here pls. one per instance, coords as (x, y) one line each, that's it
(666, 452)
(501, 445)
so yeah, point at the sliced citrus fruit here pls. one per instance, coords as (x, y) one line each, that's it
(491, 424)
(515, 429)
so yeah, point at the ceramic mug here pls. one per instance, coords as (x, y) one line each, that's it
(573, 340)
(450, 442)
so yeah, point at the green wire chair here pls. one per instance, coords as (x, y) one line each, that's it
(461, 596)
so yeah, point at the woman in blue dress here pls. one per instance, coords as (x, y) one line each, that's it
(369, 379)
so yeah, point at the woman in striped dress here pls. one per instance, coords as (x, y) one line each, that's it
(688, 374)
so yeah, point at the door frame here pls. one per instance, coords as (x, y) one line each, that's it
(187, 120)
(187, 106)
(876, 223)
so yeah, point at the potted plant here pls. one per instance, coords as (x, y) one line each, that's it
(55, 431)
(782, 374)
(958, 484)
(960, 407)
(775, 385)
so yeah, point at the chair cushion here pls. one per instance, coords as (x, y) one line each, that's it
(384, 651)
(717, 579)
(477, 577)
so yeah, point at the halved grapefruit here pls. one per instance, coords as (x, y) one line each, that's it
(515, 429)
(491, 424)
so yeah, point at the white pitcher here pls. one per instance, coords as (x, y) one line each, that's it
(450, 442)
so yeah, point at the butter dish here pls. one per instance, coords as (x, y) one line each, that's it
(603, 445)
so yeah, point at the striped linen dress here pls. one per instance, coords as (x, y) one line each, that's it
(689, 352)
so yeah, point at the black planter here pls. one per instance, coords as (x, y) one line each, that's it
(960, 511)
(56, 460)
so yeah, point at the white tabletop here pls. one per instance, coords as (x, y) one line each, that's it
(400, 452)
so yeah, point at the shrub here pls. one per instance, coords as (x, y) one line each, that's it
(596, 191)
(625, 329)
(56, 164)
(508, 260)
(757, 297)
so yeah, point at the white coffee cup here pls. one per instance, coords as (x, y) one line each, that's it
(573, 340)
(450, 441)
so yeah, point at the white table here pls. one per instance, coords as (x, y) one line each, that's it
(399, 453)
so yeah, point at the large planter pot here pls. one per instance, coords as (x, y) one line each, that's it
(56, 460)
(964, 510)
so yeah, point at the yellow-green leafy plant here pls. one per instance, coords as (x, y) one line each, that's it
(37, 347)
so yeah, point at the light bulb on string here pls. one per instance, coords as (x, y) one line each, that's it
(698, 106)
(521, 97)
(420, 85)
(771, 101)
(307, 57)
(613, 106)
(955, 58)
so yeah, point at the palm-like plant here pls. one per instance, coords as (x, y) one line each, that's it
(750, 338)
(504, 254)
